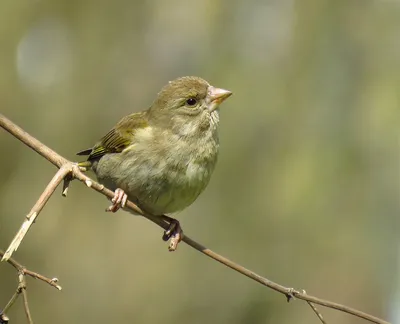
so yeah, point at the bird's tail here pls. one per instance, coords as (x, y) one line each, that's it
(85, 164)
(85, 152)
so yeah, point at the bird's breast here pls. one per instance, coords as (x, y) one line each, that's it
(163, 174)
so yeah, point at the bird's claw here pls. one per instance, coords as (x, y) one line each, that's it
(174, 233)
(118, 201)
(170, 231)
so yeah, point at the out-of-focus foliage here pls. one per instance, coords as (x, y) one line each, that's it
(307, 185)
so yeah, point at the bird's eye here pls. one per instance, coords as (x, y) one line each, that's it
(191, 101)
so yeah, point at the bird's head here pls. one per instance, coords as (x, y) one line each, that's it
(188, 105)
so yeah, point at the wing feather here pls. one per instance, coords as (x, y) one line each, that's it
(118, 138)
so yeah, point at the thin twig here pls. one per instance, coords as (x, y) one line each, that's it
(12, 299)
(22, 285)
(36, 209)
(316, 311)
(67, 180)
(52, 282)
(32, 142)
(21, 269)
(59, 161)
(21, 289)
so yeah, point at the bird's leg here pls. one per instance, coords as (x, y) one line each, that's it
(174, 232)
(118, 201)
(174, 226)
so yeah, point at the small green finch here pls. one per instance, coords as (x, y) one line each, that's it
(162, 158)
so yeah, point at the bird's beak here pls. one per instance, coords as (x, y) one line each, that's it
(215, 97)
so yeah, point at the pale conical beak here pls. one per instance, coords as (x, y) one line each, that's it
(215, 97)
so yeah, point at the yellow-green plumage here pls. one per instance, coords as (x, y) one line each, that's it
(118, 138)
(163, 158)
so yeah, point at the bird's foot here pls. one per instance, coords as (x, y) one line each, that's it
(118, 201)
(174, 232)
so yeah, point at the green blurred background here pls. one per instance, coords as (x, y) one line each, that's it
(307, 185)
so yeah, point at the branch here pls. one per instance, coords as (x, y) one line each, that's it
(21, 288)
(21, 269)
(36, 209)
(316, 311)
(76, 173)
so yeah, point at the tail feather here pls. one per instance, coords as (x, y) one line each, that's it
(85, 164)
(85, 152)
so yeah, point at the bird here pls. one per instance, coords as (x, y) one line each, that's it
(162, 158)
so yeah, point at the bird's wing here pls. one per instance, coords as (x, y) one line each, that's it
(118, 138)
